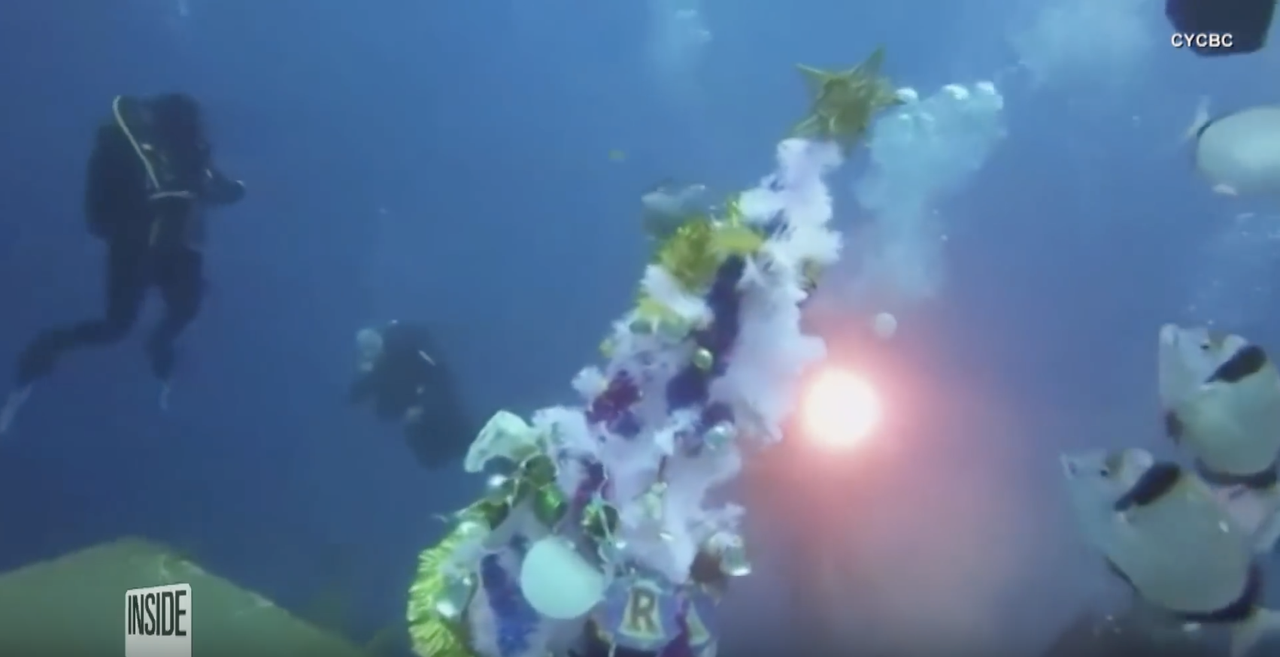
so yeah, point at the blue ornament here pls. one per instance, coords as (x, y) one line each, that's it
(716, 413)
(514, 617)
(700, 620)
(640, 612)
(626, 425)
(691, 384)
(592, 482)
(687, 388)
(679, 647)
(726, 305)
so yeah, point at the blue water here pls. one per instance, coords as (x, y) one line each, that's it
(450, 163)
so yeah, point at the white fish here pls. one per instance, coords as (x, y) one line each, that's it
(1229, 418)
(1162, 530)
(1238, 153)
(668, 205)
(1187, 357)
(1221, 398)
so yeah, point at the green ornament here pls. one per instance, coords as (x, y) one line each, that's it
(492, 512)
(538, 470)
(513, 490)
(719, 435)
(599, 520)
(703, 360)
(549, 505)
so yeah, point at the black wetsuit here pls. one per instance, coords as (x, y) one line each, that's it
(150, 177)
(409, 382)
(1247, 21)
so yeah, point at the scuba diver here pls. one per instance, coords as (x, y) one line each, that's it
(150, 180)
(1247, 21)
(400, 371)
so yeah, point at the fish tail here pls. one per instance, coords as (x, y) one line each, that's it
(1267, 536)
(1268, 532)
(1199, 120)
(1260, 625)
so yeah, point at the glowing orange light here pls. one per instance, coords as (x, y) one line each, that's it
(840, 408)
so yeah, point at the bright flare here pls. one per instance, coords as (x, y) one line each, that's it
(840, 408)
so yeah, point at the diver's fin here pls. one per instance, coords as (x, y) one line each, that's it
(165, 389)
(1262, 624)
(1199, 121)
(12, 405)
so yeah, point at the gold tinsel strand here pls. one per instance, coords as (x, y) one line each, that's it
(734, 240)
(433, 635)
(694, 253)
(733, 211)
(688, 255)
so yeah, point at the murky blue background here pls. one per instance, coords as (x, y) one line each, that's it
(450, 162)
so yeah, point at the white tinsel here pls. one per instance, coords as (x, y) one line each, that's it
(658, 477)
(764, 367)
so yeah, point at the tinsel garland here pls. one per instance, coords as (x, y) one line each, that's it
(608, 495)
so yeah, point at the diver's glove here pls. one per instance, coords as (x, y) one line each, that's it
(221, 190)
(1247, 21)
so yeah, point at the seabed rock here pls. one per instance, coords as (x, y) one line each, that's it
(74, 605)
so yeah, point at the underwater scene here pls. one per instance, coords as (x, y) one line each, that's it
(661, 328)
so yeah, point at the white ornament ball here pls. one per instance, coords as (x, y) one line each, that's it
(558, 582)
(885, 325)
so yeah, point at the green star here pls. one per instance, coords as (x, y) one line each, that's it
(845, 102)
